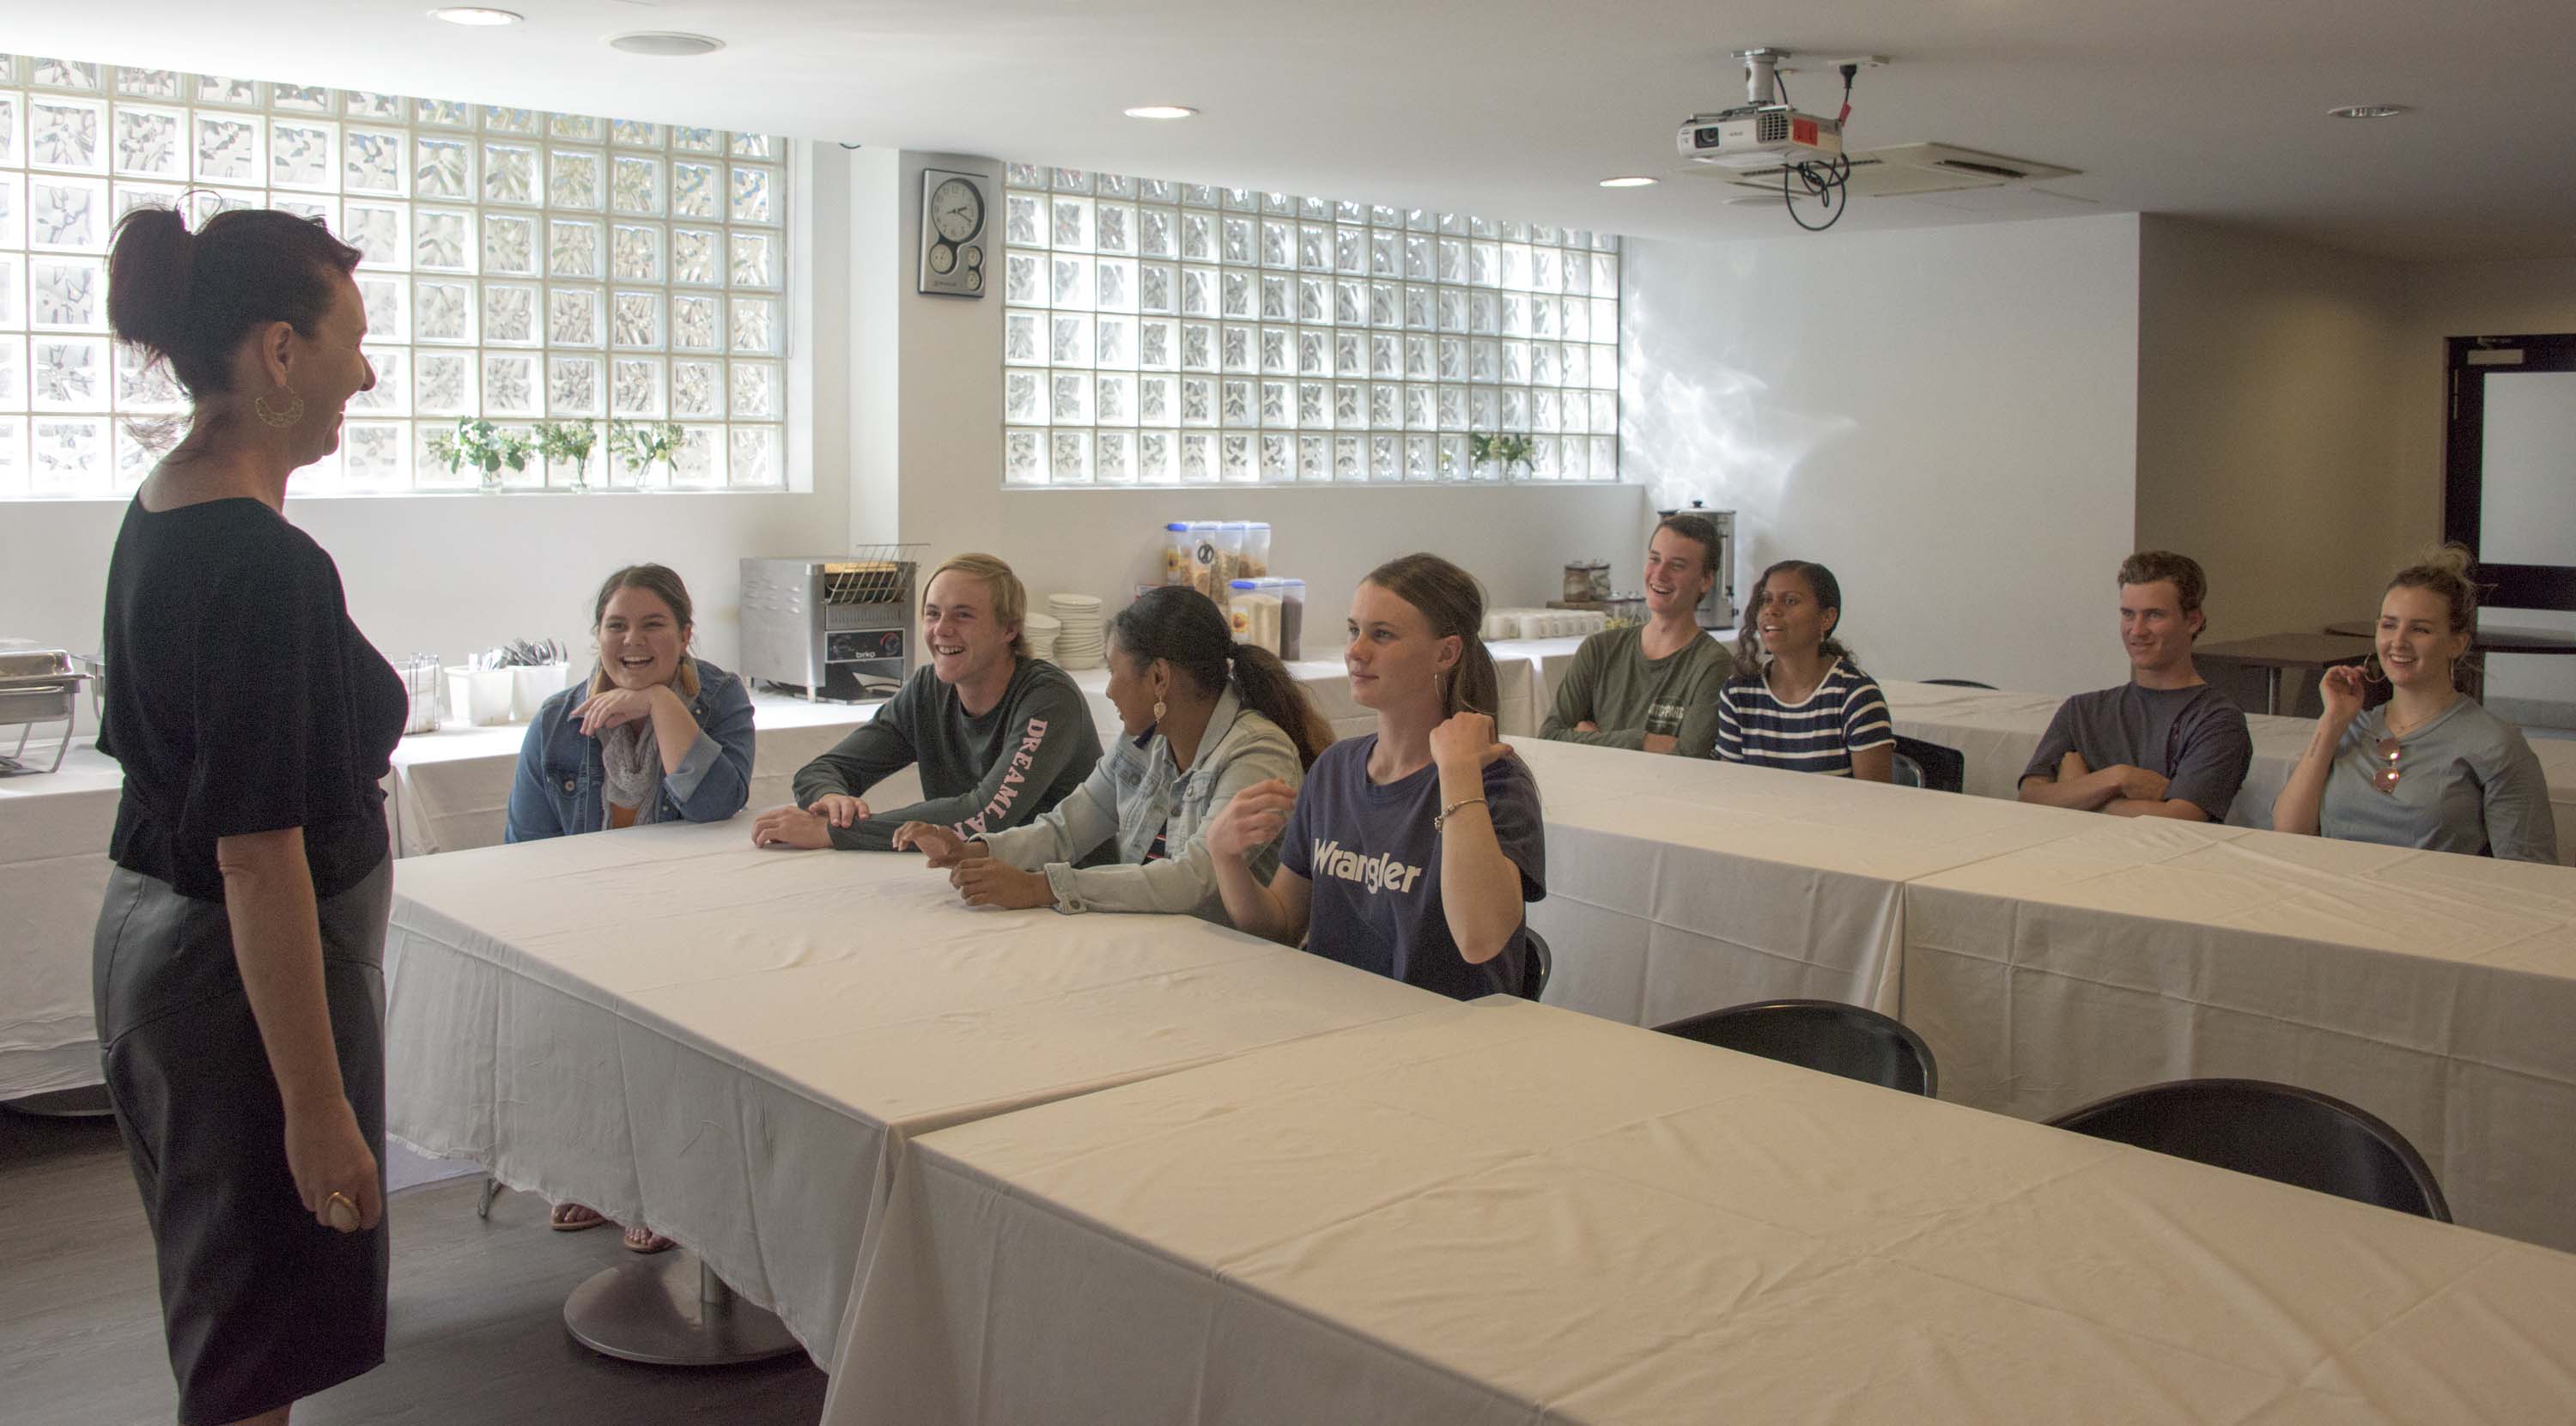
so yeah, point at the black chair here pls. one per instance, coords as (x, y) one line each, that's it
(1961, 683)
(1824, 1035)
(2276, 1131)
(1922, 764)
(1541, 961)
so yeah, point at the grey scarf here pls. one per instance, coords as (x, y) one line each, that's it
(632, 762)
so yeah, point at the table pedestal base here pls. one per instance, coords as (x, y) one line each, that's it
(670, 1311)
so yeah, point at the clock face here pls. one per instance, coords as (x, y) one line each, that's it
(943, 258)
(956, 210)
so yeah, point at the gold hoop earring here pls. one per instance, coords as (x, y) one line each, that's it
(274, 419)
(1159, 710)
(2371, 672)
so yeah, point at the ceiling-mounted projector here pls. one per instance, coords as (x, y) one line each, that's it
(1766, 137)
(1762, 132)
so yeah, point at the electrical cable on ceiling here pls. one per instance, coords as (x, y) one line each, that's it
(1827, 183)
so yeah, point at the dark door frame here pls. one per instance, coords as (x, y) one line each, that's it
(2470, 361)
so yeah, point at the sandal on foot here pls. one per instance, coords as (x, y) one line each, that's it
(563, 1219)
(640, 1239)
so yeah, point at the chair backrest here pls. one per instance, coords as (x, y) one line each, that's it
(1961, 683)
(2275, 1131)
(1541, 962)
(1824, 1035)
(1940, 768)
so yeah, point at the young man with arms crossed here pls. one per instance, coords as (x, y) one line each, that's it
(2164, 744)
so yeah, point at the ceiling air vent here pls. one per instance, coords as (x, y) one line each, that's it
(1911, 169)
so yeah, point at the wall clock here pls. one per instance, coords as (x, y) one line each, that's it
(955, 230)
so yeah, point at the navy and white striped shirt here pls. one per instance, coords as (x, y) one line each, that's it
(1845, 715)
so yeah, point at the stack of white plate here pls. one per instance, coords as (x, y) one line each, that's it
(1078, 641)
(1039, 631)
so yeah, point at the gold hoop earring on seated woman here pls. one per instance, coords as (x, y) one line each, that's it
(275, 419)
(2371, 672)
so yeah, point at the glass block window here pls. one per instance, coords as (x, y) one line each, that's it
(520, 265)
(1160, 333)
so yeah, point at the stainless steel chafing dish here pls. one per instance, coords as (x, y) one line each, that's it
(37, 686)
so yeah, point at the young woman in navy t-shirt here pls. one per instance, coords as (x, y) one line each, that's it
(1410, 850)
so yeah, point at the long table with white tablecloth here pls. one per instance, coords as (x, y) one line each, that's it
(1997, 732)
(1676, 885)
(1503, 1213)
(728, 1043)
(2437, 991)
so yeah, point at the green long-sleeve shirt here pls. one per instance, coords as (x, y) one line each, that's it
(1626, 695)
(979, 774)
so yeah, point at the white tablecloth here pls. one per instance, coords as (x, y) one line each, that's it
(728, 1043)
(54, 831)
(450, 790)
(1503, 1213)
(2433, 990)
(1998, 732)
(1676, 885)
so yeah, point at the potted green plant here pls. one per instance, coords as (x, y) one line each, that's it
(484, 447)
(570, 442)
(1505, 452)
(642, 444)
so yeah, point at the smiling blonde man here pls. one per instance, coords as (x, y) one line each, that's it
(1000, 737)
(1654, 686)
(2164, 744)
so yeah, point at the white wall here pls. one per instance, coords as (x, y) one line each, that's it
(2267, 379)
(2469, 300)
(947, 352)
(1946, 417)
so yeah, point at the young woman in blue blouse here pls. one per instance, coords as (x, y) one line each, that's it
(656, 735)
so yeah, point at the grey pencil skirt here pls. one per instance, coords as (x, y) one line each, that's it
(261, 1305)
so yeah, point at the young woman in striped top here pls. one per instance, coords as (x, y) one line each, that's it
(1797, 701)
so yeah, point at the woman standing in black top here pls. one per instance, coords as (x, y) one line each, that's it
(238, 967)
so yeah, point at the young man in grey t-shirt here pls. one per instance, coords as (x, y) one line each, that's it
(2164, 744)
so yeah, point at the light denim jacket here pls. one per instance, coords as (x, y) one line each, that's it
(557, 791)
(1132, 794)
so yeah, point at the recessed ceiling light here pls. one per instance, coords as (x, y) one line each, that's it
(2368, 111)
(666, 42)
(476, 15)
(1161, 111)
(1631, 181)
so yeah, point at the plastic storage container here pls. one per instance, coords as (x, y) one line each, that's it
(1230, 539)
(1176, 552)
(1270, 613)
(1256, 550)
(1203, 561)
(1254, 612)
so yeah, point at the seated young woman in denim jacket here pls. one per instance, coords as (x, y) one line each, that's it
(1201, 716)
(656, 736)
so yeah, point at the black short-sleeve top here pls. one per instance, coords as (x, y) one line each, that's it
(244, 699)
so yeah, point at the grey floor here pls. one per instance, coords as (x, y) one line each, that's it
(477, 1312)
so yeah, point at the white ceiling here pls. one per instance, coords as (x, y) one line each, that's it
(1515, 108)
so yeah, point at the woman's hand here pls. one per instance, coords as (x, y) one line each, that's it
(791, 827)
(327, 1154)
(2340, 687)
(986, 882)
(943, 848)
(1465, 742)
(602, 711)
(1251, 819)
